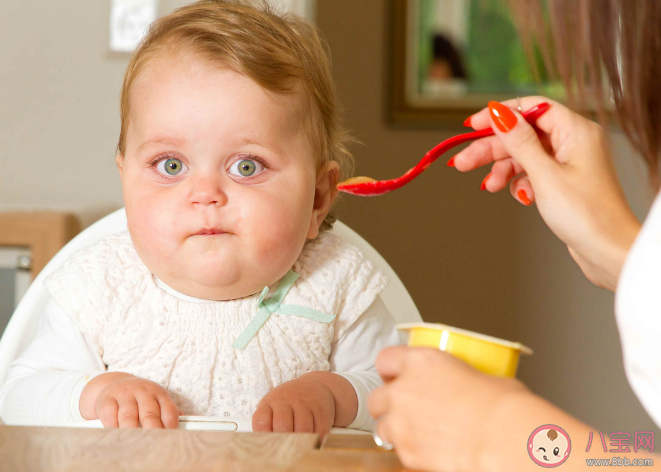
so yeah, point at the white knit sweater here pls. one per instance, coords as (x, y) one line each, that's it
(186, 347)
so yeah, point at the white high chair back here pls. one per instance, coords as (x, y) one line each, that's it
(22, 326)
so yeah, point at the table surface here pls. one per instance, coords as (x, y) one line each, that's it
(74, 449)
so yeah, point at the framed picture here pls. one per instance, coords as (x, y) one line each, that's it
(451, 57)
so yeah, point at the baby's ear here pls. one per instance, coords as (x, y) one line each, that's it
(119, 160)
(325, 192)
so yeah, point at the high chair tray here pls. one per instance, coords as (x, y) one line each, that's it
(208, 423)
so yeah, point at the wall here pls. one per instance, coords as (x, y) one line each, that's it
(469, 258)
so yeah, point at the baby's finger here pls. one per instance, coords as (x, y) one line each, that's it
(169, 412)
(283, 418)
(106, 410)
(480, 153)
(303, 420)
(127, 414)
(322, 423)
(521, 190)
(262, 419)
(149, 412)
(501, 173)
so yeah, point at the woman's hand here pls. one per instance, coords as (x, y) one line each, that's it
(567, 169)
(443, 415)
(437, 410)
(125, 401)
(313, 402)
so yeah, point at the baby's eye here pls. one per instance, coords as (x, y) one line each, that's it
(541, 449)
(556, 451)
(171, 167)
(246, 168)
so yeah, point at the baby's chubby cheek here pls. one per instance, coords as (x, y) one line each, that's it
(274, 234)
(155, 225)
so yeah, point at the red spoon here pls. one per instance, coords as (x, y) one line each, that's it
(368, 187)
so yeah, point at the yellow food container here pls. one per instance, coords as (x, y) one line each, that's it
(490, 355)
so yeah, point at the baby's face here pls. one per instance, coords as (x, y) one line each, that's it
(218, 179)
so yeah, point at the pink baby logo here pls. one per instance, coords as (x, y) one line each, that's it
(549, 446)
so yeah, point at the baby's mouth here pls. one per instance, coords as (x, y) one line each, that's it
(546, 458)
(209, 232)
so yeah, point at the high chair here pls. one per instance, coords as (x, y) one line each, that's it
(22, 326)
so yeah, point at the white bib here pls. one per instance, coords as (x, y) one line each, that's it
(186, 346)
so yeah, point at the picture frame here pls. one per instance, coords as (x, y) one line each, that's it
(449, 58)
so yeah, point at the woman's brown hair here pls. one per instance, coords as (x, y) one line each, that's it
(613, 45)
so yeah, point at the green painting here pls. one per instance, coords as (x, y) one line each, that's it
(470, 48)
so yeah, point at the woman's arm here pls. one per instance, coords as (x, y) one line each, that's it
(443, 415)
(44, 384)
(637, 310)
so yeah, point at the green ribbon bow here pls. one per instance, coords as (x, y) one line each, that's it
(274, 305)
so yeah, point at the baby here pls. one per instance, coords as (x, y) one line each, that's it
(227, 296)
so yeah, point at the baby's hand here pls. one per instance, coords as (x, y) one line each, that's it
(125, 401)
(302, 405)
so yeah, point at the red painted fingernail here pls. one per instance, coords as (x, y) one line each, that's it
(484, 182)
(451, 162)
(467, 122)
(502, 116)
(523, 197)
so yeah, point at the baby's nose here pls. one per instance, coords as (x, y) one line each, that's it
(207, 191)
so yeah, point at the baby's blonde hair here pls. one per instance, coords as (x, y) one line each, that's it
(284, 54)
